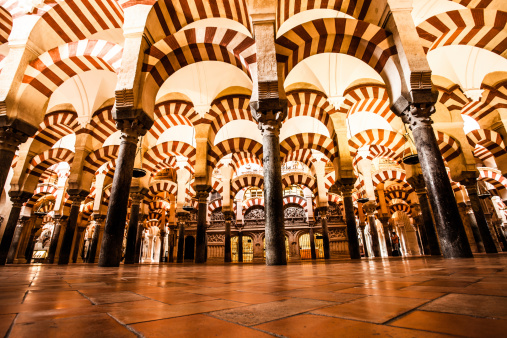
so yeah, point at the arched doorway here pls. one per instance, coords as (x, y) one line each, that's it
(247, 248)
(305, 247)
(189, 247)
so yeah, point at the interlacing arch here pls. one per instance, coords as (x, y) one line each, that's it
(493, 177)
(227, 109)
(102, 124)
(480, 28)
(161, 151)
(486, 143)
(51, 69)
(329, 180)
(300, 179)
(294, 199)
(310, 103)
(245, 181)
(449, 147)
(300, 155)
(308, 141)
(370, 98)
(474, 3)
(40, 191)
(169, 16)
(355, 8)
(215, 206)
(376, 151)
(157, 187)
(55, 126)
(5, 25)
(378, 137)
(452, 98)
(46, 159)
(402, 207)
(231, 146)
(100, 156)
(242, 158)
(383, 176)
(492, 99)
(87, 210)
(252, 202)
(362, 40)
(189, 46)
(396, 192)
(169, 114)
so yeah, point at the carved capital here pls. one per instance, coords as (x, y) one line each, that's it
(228, 216)
(183, 217)
(10, 139)
(470, 184)
(370, 208)
(19, 197)
(269, 114)
(130, 130)
(418, 114)
(202, 195)
(136, 197)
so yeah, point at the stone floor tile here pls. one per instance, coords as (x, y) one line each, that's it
(5, 323)
(173, 297)
(473, 305)
(393, 293)
(186, 327)
(315, 294)
(453, 324)
(113, 297)
(260, 313)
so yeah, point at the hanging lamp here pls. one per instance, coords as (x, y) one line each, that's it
(410, 157)
(363, 199)
(139, 172)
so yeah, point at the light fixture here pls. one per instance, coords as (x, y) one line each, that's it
(410, 158)
(139, 172)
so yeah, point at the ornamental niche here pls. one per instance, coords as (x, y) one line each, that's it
(255, 217)
(294, 212)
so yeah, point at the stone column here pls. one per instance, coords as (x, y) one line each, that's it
(172, 235)
(240, 246)
(427, 225)
(162, 234)
(15, 241)
(68, 236)
(227, 243)
(501, 236)
(10, 139)
(55, 236)
(17, 203)
(445, 210)
(473, 226)
(132, 234)
(200, 236)
(95, 238)
(487, 239)
(350, 219)
(182, 217)
(387, 234)
(139, 239)
(325, 232)
(370, 208)
(362, 226)
(269, 114)
(311, 234)
(79, 237)
(111, 247)
(31, 240)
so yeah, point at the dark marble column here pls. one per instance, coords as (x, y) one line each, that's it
(427, 225)
(227, 243)
(10, 139)
(387, 234)
(130, 249)
(31, 240)
(55, 236)
(269, 114)
(325, 232)
(162, 235)
(501, 236)
(350, 219)
(182, 218)
(419, 242)
(313, 254)
(114, 229)
(370, 208)
(17, 203)
(362, 226)
(98, 219)
(473, 226)
(200, 235)
(79, 237)
(139, 239)
(15, 241)
(487, 239)
(240, 246)
(68, 236)
(445, 210)
(172, 235)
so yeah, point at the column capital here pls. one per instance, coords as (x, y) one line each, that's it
(19, 197)
(136, 197)
(228, 215)
(11, 138)
(470, 184)
(370, 207)
(417, 114)
(130, 130)
(323, 213)
(182, 216)
(77, 196)
(269, 114)
(202, 195)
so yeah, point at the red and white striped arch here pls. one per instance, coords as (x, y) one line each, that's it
(186, 47)
(170, 16)
(55, 126)
(102, 124)
(472, 27)
(492, 99)
(365, 41)
(308, 141)
(41, 190)
(329, 180)
(388, 175)
(251, 203)
(162, 151)
(158, 187)
(377, 137)
(169, 114)
(474, 3)
(489, 139)
(334, 198)
(231, 146)
(5, 25)
(449, 147)
(294, 199)
(299, 179)
(401, 207)
(241, 158)
(401, 194)
(452, 98)
(493, 177)
(355, 8)
(370, 98)
(100, 156)
(53, 68)
(227, 109)
(215, 205)
(310, 103)
(300, 155)
(380, 152)
(245, 181)
(87, 210)
(46, 159)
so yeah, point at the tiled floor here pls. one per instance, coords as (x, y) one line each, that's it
(419, 297)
